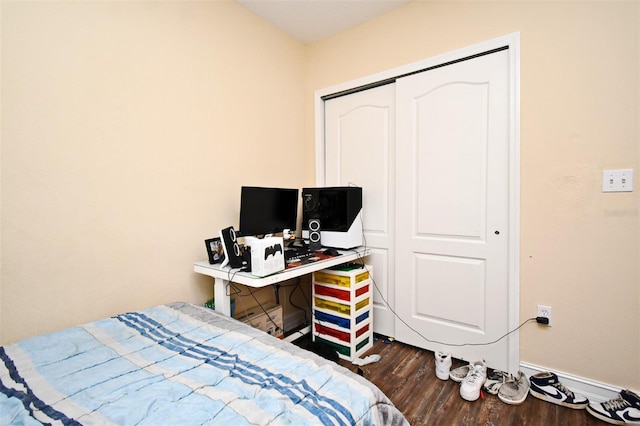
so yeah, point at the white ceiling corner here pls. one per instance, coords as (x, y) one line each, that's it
(313, 20)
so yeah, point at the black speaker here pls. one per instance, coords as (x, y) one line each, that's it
(233, 254)
(314, 235)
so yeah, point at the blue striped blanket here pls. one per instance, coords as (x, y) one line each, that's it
(179, 364)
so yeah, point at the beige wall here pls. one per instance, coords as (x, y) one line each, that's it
(128, 129)
(580, 110)
(124, 127)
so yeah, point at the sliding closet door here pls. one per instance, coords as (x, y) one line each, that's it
(359, 150)
(452, 220)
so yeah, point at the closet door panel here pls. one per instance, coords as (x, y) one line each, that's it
(453, 204)
(360, 151)
(452, 175)
(358, 154)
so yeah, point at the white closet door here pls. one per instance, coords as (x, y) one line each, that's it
(359, 150)
(452, 219)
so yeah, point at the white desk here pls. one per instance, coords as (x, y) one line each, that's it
(224, 275)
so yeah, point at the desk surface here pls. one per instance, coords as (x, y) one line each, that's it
(237, 276)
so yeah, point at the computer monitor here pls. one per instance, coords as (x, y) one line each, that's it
(267, 210)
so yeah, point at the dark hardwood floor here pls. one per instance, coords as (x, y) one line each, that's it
(407, 376)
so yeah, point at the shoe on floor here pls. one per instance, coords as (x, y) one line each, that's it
(472, 383)
(623, 410)
(547, 387)
(443, 365)
(458, 374)
(515, 390)
(495, 379)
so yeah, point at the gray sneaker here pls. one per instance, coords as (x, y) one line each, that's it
(495, 379)
(514, 391)
(458, 374)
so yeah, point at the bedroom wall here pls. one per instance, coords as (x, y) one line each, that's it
(580, 93)
(127, 131)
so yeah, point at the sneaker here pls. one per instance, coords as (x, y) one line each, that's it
(495, 379)
(547, 387)
(472, 383)
(443, 365)
(623, 410)
(458, 374)
(515, 390)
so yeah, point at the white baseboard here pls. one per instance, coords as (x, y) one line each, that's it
(298, 334)
(595, 391)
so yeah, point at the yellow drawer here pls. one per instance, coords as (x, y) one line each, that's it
(331, 305)
(340, 280)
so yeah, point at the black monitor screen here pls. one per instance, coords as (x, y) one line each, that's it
(267, 210)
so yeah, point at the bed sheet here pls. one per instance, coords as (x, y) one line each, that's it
(179, 364)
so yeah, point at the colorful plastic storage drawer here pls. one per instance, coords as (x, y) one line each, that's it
(340, 280)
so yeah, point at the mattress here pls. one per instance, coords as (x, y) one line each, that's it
(179, 364)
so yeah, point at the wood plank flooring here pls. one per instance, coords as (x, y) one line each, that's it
(407, 376)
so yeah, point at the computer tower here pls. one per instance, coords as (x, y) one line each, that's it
(339, 213)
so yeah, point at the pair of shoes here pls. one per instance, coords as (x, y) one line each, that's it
(443, 365)
(471, 385)
(515, 390)
(547, 387)
(623, 410)
(495, 379)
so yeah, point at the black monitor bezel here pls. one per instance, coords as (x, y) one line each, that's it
(248, 209)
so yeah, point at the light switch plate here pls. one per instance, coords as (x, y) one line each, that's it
(617, 180)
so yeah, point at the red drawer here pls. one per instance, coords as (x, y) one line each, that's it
(362, 330)
(362, 290)
(331, 292)
(328, 331)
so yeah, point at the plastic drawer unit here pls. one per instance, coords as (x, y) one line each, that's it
(343, 309)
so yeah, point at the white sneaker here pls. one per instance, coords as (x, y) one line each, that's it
(472, 384)
(443, 365)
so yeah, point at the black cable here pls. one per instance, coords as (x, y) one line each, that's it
(304, 311)
(230, 277)
(240, 303)
(236, 290)
(277, 327)
(305, 297)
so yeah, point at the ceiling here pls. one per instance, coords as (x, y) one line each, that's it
(313, 20)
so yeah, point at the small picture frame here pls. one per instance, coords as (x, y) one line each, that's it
(215, 250)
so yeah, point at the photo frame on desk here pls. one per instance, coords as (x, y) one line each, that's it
(215, 250)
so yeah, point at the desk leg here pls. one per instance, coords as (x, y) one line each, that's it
(222, 299)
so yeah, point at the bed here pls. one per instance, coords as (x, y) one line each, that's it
(179, 364)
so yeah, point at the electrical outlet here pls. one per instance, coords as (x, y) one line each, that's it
(545, 311)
